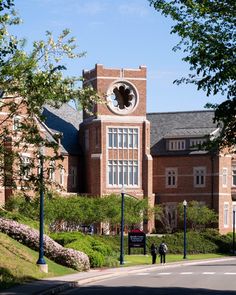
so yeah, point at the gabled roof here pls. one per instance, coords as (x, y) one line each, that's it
(179, 125)
(65, 120)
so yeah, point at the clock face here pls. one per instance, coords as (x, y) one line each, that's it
(122, 98)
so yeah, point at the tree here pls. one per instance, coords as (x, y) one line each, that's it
(207, 32)
(198, 216)
(28, 81)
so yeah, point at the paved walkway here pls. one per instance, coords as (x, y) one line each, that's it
(56, 285)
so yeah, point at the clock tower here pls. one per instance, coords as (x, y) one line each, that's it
(116, 135)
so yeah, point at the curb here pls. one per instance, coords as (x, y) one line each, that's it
(58, 289)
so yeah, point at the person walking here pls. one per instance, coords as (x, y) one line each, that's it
(162, 251)
(153, 253)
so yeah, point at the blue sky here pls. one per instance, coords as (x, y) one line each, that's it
(118, 33)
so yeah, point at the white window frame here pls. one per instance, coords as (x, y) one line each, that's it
(25, 161)
(195, 142)
(123, 172)
(224, 177)
(171, 177)
(61, 176)
(16, 123)
(226, 214)
(51, 170)
(123, 137)
(233, 176)
(199, 175)
(176, 144)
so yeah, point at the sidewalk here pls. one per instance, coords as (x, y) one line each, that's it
(56, 285)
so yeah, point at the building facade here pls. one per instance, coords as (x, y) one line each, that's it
(119, 146)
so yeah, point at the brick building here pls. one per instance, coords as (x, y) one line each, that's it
(155, 156)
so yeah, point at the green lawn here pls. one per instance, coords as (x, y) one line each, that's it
(18, 264)
(131, 260)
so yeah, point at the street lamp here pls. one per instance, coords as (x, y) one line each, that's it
(185, 228)
(233, 232)
(41, 261)
(122, 227)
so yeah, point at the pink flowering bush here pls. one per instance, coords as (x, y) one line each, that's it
(54, 251)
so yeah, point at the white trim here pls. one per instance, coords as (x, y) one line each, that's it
(148, 157)
(96, 156)
(233, 175)
(224, 175)
(122, 159)
(227, 217)
(133, 103)
(122, 119)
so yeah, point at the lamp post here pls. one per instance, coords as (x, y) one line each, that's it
(41, 261)
(233, 232)
(122, 227)
(185, 228)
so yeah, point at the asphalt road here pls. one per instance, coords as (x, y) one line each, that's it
(205, 278)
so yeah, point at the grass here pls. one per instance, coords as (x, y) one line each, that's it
(132, 260)
(18, 264)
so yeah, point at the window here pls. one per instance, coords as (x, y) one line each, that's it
(51, 171)
(224, 177)
(25, 167)
(122, 172)
(176, 145)
(74, 176)
(234, 210)
(123, 138)
(39, 167)
(61, 180)
(226, 214)
(171, 177)
(234, 175)
(16, 123)
(194, 143)
(199, 176)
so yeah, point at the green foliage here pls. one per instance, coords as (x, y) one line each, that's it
(29, 79)
(72, 212)
(207, 38)
(198, 216)
(99, 252)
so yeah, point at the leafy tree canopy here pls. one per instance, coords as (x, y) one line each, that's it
(28, 81)
(208, 39)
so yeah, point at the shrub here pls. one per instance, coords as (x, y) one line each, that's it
(100, 252)
(30, 237)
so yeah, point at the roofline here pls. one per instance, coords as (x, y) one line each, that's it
(181, 112)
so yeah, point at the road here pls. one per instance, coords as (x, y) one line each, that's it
(216, 278)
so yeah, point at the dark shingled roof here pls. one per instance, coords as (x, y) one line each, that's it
(65, 120)
(178, 125)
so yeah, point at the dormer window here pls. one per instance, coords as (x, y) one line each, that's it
(176, 145)
(196, 142)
